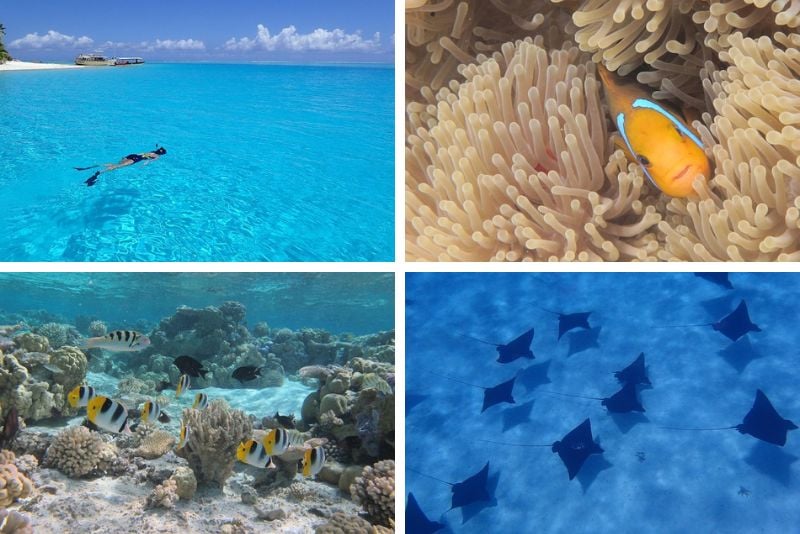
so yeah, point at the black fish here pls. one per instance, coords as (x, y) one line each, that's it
(468, 491)
(576, 447)
(635, 373)
(248, 372)
(286, 421)
(736, 324)
(163, 417)
(189, 366)
(623, 401)
(514, 349)
(721, 279)
(11, 426)
(417, 521)
(491, 395)
(733, 326)
(762, 422)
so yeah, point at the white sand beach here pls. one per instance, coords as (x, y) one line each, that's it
(28, 65)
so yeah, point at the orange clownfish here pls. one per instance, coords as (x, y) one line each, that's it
(669, 152)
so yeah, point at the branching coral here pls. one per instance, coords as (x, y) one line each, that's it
(165, 495)
(78, 452)
(374, 490)
(214, 435)
(513, 167)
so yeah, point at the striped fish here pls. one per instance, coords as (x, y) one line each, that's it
(312, 461)
(151, 411)
(108, 414)
(279, 440)
(118, 341)
(184, 437)
(184, 383)
(80, 396)
(200, 401)
(251, 452)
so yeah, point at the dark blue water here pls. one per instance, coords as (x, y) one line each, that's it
(649, 479)
(360, 303)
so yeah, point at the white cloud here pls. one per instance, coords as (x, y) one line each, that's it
(51, 39)
(182, 44)
(290, 39)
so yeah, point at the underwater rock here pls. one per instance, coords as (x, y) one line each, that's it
(274, 514)
(349, 475)
(338, 404)
(374, 490)
(310, 409)
(261, 329)
(213, 439)
(34, 443)
(249, 494)
(331, 472)
(78, 452)
(185, 482)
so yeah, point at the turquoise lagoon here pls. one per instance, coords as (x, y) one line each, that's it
(264, 163)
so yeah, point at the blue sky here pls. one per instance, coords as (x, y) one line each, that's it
(202, 30)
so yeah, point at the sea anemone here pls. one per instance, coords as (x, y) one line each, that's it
(508, 155)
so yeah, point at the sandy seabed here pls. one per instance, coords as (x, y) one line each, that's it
(28, 65)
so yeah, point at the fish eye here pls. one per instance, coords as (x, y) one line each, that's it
(643, 160)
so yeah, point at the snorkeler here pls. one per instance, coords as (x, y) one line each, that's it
(130, 159)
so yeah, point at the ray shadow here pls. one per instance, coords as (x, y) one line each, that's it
(772, 461)
(720, 306)
(534, 375)
(594, 465)
(519, 415)
(626, 421)
(414, 399)
(740, 353)
(583, 340)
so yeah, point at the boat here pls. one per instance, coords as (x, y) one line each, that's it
(128, 61)
(93, 60)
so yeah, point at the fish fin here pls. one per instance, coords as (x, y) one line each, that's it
(620, 143)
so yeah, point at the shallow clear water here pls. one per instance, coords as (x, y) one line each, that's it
(649, 479)
(264, 163)
(360, 303)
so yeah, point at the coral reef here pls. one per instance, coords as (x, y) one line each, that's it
(215, 433)
(508, 157)
(185, 482)
(58, 334)
(97, 329)
(340, 523)
(165, 495)
(78, 452)
(155, 445)
(374, 490)
(13, 483)
(353, 410)
(35, 378)
(14, 522)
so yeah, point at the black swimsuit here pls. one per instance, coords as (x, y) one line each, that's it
(136, 158)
